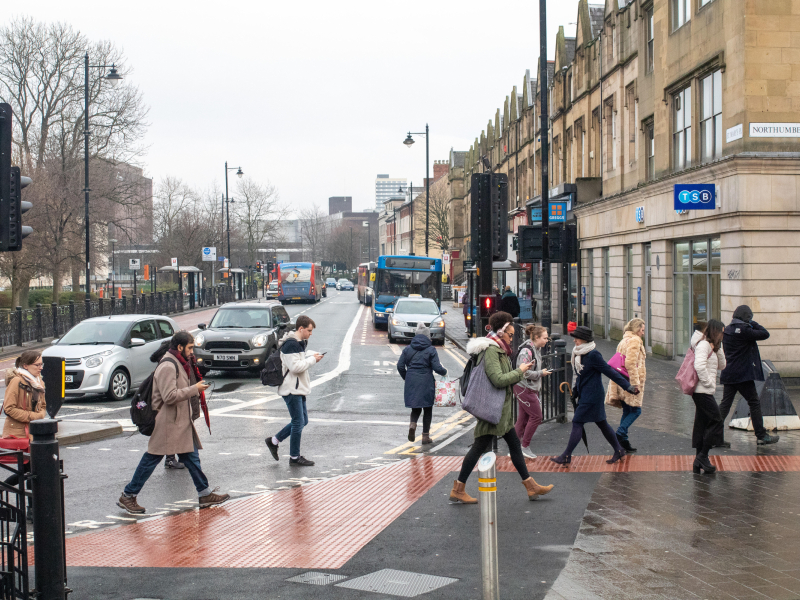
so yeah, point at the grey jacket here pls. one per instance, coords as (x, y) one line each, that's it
(533, 376)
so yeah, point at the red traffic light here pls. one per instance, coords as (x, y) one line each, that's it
(487, 304)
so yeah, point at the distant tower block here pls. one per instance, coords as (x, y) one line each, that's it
(779, 413)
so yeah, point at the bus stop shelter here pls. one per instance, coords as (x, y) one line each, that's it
(237, 276)
(194, 281)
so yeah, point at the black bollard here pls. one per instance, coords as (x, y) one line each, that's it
(48, 525)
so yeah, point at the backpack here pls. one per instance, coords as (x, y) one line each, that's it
(463, 381)
(142, 413)
(272, 374)
(515, 354)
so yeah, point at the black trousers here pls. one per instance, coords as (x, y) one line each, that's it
(748, 390)
(483, 444)
(707, 431)
(427, 417)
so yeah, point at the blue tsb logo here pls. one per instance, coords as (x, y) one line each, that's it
(695, 197)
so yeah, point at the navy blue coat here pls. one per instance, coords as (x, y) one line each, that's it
(589, 385)
(742, 358)
(416, 366)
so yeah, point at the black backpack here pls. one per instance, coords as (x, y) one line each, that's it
(142, 413)
(272, 374)
(463, 381)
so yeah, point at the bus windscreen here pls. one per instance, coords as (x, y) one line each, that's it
(393, 284)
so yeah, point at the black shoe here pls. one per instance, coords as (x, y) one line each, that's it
(619, 455)
(626, 444)
(701, 462)
(562, 460)
(273, 448)
(172, 463)
(301, 461)
(723, 445)
(768, 439)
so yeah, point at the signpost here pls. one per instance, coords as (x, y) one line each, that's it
(175, 262)
(210, 255)
(134, 264)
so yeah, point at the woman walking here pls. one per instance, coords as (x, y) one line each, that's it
(709, 358)
(416, 366)
(588, 365)
(493, 353)
(632, 348)
(530, 407)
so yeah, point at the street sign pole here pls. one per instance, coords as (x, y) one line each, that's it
(547, 308)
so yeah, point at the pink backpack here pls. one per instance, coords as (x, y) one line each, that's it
(687, 376)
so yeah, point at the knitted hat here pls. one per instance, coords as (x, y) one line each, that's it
(422, 330)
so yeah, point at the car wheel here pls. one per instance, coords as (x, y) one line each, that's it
(119, 385)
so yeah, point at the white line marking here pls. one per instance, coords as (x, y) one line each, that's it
(452, 438)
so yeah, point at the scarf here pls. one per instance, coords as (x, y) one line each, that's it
(191, 366)
(495, 337)
(579, 351)
(35, 382)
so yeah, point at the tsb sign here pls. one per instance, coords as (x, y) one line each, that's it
(698, 196)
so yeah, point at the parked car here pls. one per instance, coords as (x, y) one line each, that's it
(330, 282)
(272, 290)
(409, 312)
(241, 336)
(110, 355)
(345, 284)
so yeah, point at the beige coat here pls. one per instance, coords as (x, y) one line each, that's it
(173, 393)
(635, 355)
(19, 398)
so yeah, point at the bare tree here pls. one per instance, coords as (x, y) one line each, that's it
(314, 231)
(258, 212)
(439, 218)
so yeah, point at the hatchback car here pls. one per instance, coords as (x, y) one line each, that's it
(111, 355)
(272, 290)
(410, 312)
(330, 282)
(241, 336)
(345, 284)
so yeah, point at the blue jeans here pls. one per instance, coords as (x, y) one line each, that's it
(150, 461)
(299, 414)
(629, 415)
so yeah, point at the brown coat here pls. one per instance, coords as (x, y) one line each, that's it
(635, 355)
(20, 397)
(173, 393)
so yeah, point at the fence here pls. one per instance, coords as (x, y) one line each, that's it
(554, 399)
(53, 321)
(14, 583)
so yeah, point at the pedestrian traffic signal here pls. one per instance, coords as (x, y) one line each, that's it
(499, 216)
(489, 214)
(530, 243)
(12, 231)
(487, 304)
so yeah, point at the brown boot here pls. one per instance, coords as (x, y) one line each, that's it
(412, 428)
(534, 489)
(459, 494)
(426, 439)
(129, 504)
(212, 499)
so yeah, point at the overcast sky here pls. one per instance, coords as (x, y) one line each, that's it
(315, 96)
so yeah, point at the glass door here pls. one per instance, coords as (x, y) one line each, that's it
(697, 288)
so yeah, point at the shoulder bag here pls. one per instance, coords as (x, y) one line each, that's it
(483, 400)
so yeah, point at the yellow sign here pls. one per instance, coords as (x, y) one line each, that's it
(444, 278)
(372, 276)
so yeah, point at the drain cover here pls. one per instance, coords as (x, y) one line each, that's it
(397, 583)
(315, 578)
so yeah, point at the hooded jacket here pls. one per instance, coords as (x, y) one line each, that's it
(296, 360)
(706, 363)
(740, 340)
(497, 365)
(510, 303)
(416, 366)
(20, 399)
(532, 379)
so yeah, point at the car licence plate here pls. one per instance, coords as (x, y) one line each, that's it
(297, 298)
(67, 378)
(225, 357)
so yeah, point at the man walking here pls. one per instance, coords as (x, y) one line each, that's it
(743, 369)
(175, 386)
(295, 387)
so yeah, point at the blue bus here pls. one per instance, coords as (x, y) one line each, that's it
(300, 282)
(401, 276)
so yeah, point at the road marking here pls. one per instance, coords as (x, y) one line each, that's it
(452, 438)
(447, 423)
(458, 359)
(315, 420)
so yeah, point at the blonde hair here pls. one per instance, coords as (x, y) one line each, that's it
(633, 325)
(534, 331)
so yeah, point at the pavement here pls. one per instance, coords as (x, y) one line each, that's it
(372, 520)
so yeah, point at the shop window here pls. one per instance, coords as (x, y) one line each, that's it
(682, 129)
(697, 287)
(711, 117)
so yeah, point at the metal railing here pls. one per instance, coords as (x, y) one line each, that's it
(553, 395)
(14, 582)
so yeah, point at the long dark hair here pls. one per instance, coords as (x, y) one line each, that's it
(713, 333)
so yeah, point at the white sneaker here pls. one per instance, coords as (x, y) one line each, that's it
(527, 452)
(466, 330)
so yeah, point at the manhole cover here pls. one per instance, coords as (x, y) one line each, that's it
(397, 583)
(315, 578)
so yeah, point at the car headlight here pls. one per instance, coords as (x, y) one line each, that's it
(96, 360)
(199, 339)
(399, 323)
(260, 340)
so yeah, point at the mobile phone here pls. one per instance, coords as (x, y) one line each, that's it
(323, 353)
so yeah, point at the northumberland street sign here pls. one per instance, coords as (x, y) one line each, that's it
(697, 196)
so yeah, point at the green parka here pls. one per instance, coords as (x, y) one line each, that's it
(502, 375)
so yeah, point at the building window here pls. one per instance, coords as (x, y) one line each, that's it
(682, 129)
(697, 287)
(651, 61)
(583, 151)
(611, 119)
(632, 120)
(704, 2)
(650, 140)
(630, 291)
(681, 12)
(711, 117)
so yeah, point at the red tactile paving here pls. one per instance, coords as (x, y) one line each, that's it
(323, 525)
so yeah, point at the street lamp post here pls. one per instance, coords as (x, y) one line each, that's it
(369, 241)
(114, 78)
(113, 270)
(240, 173)
(408, 142)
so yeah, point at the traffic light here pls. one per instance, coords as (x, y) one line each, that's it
(258, 266)
(489, 215)
(499, 216)
(530, 244)
(480, 199)
(487, 304)
(12, 231)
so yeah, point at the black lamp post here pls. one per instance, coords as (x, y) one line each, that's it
(113, 270)
(408, 142)
(240, 173)
(114, 78)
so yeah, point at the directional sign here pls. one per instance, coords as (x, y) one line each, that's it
(209, 254)
(134, 264)
(558, 212)
(469, 264)
(697, 196)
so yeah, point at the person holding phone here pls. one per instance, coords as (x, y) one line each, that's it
(527, 390)
(176, 387)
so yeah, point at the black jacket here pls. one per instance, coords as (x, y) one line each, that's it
(510, 304)
(741, 352)
(416, 366)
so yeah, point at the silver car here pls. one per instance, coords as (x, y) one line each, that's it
(409, 312)
(111, 355)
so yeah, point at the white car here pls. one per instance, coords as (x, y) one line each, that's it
(111, 355)
(273, 291)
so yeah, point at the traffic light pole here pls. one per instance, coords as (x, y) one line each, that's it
(547, 308)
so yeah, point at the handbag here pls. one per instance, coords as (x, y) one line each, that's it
(617, 363)
(16, 444)
(446, 392)
(483, 400)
